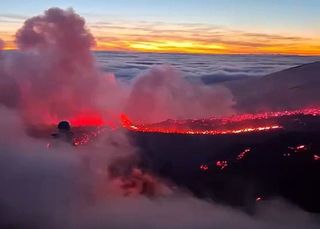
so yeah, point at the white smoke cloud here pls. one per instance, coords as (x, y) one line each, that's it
(57, 78)
(163, 93)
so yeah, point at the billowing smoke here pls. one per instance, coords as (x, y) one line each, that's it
(163, 93)
(53, 76)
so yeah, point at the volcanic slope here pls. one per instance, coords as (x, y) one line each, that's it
(292, 88)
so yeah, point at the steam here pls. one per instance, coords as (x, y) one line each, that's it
(54, 70)
(163, 93)
(72, 188)
(54, 76)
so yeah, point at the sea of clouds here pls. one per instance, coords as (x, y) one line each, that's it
(210, 68)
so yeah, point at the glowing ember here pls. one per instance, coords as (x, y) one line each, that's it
(243, 154)
(87, 137)
(299, 148)
(316, 157)
(286, 154)
(222, 164)
(204, 167)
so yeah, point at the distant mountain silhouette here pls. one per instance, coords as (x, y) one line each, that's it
(292, 88)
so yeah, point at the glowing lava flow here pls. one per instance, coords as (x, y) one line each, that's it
(85, 138)
(236, 124)
(268, 115)
(222, 164)
(126, 123)
(204, 132)
(316, 157)
(243, 154)
(92, 120)
(84, 120)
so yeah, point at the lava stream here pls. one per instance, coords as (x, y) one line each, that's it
(236, 124)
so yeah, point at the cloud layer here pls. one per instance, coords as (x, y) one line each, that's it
(211, 69)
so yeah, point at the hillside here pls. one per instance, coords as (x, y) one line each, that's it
(292, 88)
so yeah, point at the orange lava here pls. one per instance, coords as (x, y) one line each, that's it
(316, 157)
(243, 154)
(222, 164)
(236, 124)
(87, 120)
(126, 123)
(268, 115)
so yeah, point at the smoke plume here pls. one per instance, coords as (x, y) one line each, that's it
(54, 74)
(163, 93)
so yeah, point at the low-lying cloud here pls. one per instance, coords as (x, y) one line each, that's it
(67, 187)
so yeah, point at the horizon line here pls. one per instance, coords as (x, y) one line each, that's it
(192, 53)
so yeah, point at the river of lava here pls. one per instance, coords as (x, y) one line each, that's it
(236, 124)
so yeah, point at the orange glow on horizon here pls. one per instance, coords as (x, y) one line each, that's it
(154, 47)
(175, 38)
(201, 47)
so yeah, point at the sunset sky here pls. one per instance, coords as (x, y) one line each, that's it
(186, 26)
